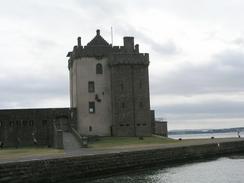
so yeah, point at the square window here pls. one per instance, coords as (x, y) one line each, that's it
(91, 107)
(91, 86)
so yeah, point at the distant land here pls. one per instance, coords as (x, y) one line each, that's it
(205, 131)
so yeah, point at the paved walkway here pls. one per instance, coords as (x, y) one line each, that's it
(71, 145)
(72, 151)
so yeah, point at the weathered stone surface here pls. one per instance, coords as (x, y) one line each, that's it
(123, 88)
(19, 127)
(73, 168)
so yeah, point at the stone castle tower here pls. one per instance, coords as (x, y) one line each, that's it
(109, 87)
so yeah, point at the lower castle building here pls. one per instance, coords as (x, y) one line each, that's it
(109, 96)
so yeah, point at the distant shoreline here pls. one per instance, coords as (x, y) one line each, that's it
(205, 131)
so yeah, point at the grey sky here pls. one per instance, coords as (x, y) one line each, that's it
(196, 53)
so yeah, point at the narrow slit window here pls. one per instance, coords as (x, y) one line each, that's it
(123, 105)
(44, 122)
(141, 104)
(24, 123)
(90, 128)
(121, 86)
(140, 84)
(91, 107)
(31, 123)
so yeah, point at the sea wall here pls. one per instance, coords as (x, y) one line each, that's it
(68, 169)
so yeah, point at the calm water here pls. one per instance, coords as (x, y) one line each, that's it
(222, 170)
(206, 135)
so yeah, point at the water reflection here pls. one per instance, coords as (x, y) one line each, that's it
(222, 170)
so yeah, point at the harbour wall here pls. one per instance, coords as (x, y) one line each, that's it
(69, 169)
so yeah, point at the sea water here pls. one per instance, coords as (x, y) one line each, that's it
(222, 170)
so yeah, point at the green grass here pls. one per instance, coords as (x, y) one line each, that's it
(108, 142)
(13, 153)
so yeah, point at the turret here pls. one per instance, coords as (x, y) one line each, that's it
(129, 44)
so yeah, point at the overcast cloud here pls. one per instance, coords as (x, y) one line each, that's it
(196, 53)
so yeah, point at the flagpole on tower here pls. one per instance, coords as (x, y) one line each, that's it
(112, 35)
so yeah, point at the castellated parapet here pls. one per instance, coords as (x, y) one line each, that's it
(109, 87)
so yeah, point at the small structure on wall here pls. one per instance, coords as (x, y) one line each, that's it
(159, 127)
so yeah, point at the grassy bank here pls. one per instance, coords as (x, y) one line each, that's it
(13, 153)
(108, 142)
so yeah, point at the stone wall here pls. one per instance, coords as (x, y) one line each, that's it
(130, 95)
(160, 128)
(83, 71)
(21, 127)
(83, 167)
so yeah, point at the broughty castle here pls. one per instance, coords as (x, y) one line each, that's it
(109, 87)
(109, 96)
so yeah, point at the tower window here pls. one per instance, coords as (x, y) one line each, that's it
(141, 104)
(31, 123)
(91, 107)
(11, 123)
(121, 86)
(90, 128)
(44, 122)
(99, 69)
(18, 124)
(123, 105)
(91, 86)
(140, 84)
(24, 123)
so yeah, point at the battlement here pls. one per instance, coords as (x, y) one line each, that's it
(98, 47)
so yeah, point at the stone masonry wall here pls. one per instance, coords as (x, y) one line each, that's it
(130, 95)
(18, 127)
(78, 168)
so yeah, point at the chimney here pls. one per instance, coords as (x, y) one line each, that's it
(98, 32)
(129, 44)
(79, 41)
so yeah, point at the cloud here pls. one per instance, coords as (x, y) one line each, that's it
(31, 90)
(198, 78)
(161, 47)
(222, 74)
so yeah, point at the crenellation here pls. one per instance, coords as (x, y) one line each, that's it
(137, 48)
(79, 41)
(129, 44)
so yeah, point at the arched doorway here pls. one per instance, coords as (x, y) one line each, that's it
(62, 123)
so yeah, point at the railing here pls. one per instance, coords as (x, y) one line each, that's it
(82, 140)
